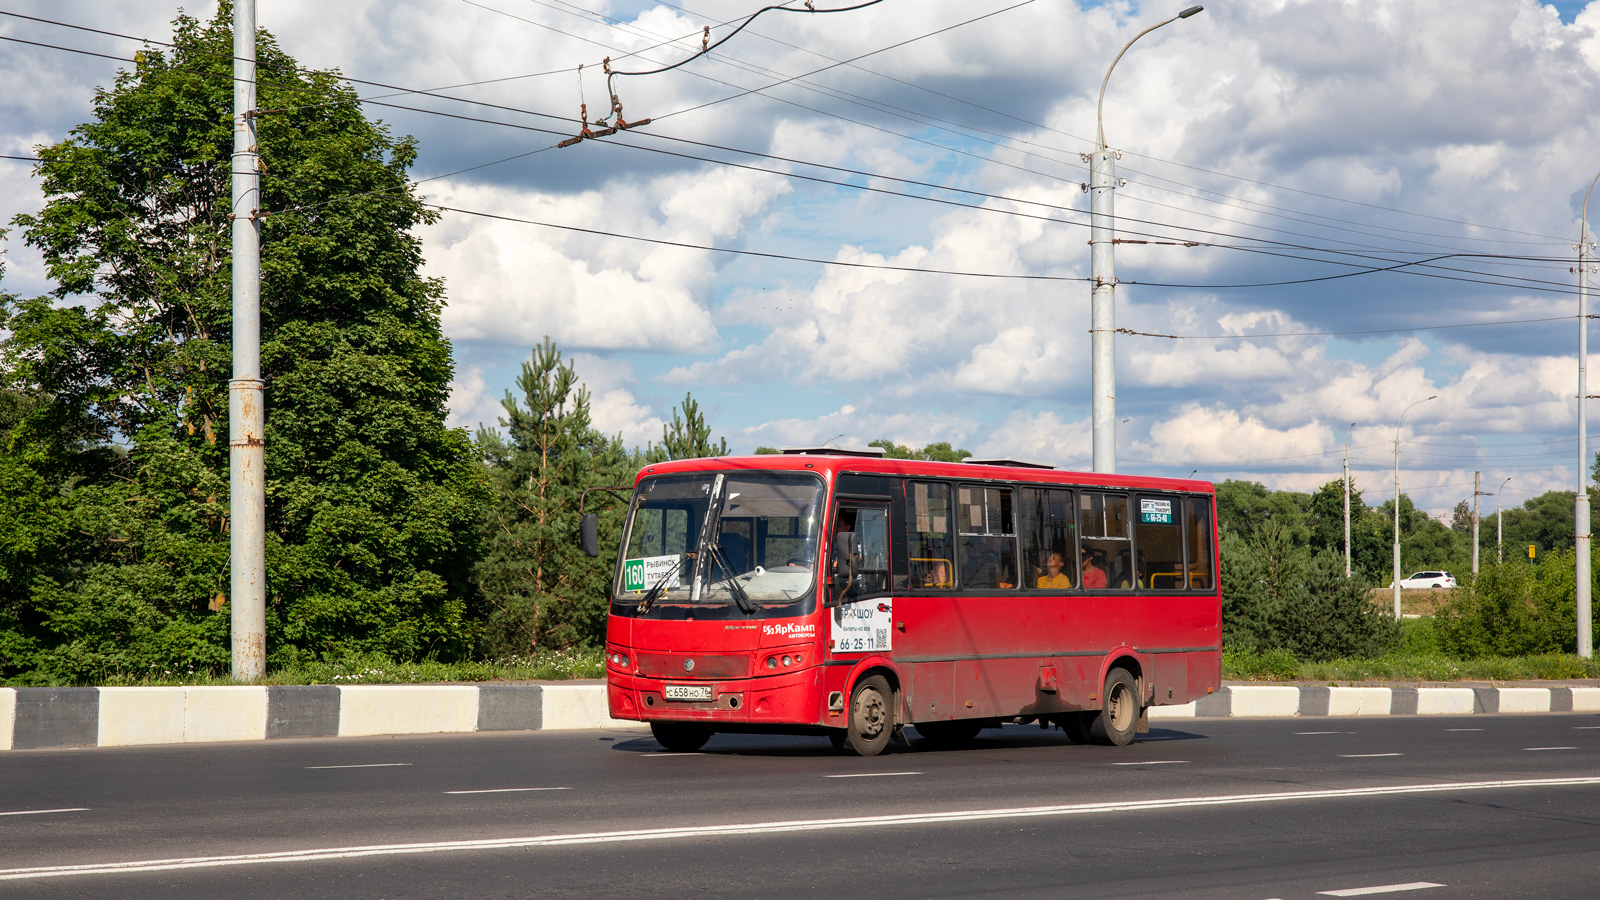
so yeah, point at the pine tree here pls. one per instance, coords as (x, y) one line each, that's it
(371, 499)
(544, 592)
(688, 437)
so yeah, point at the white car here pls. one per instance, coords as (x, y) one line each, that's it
(1434, 579)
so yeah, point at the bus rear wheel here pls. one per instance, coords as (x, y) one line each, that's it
(1119, 714)
(680, 737)
(871, 716)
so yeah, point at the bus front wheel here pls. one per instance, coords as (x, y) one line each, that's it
(680, 737)
(1119, 714)
(871, 716)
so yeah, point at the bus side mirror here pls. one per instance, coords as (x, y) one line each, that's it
(589, 534)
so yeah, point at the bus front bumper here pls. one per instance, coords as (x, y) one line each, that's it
(793, 698)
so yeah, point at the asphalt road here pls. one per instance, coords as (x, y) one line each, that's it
(1484, 806)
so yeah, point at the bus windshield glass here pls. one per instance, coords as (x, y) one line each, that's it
(721, 545)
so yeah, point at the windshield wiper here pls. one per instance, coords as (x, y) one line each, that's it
(734, 587)
(656, 589)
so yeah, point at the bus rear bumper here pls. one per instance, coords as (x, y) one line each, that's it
(793, 698)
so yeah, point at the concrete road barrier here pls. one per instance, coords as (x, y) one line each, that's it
(35, 718)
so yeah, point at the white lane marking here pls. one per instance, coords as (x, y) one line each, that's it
(872, 775)
(509, 790)
(1324, 732)
(1548, 748)
(44, 812)
(362, 766)
(1367, 755)
(1153, 762)
(1463, 729)
(1381, 889)
(1586, 727)
(783, 828)
(672, 754)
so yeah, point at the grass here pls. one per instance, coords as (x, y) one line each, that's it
(547, 665)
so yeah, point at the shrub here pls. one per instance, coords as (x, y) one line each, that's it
(1279, 596)
(1512, 609)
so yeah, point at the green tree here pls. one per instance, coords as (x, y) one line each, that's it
(1243, 507)
(937, 452)
(688, 437)
(542, 590)
(372, 501)
(1544, 521)
(1325, 515)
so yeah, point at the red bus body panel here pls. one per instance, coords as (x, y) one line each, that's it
(958, 656)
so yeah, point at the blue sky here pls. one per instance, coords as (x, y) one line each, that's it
(1291, 138)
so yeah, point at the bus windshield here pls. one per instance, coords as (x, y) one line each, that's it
(742, 543)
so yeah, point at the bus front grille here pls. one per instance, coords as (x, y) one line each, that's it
(693, 665)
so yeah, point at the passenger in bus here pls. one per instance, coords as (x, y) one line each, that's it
(1094, 573)
(936, 575)
(1053, 576)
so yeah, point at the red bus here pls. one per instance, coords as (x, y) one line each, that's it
(841, 593)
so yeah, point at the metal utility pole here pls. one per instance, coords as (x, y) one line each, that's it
(1396, 584)
(1581, 535)
(1347, 500)
(1102, 237)
(1476, 493)
(246, 477)
(1499, 523)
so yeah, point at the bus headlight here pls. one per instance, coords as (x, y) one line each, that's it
(618, 660)
(772, 662)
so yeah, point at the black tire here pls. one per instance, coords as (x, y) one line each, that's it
(1076, 725)
(871, 715)
(949, 734)
(680, 737)
(1118, 718)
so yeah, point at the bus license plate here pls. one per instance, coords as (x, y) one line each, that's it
(688, 692)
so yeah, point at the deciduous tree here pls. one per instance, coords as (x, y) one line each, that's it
(372, 501)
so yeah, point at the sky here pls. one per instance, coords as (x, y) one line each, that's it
(905, 181)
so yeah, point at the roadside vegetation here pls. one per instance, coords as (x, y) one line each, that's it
(402, 550)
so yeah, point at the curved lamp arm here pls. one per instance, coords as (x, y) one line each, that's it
(1099, 125)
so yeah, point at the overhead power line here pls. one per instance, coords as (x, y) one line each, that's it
(1360, 268)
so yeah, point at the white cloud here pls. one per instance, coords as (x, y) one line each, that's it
(471, 403)
(1333, 115)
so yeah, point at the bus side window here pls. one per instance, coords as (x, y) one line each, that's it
(1158, 542)
(1198, 530)
(988, 537)
(1106, 547)
(1049, 551)
(929, 548)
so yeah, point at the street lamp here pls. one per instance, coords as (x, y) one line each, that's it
(1397, 501)
(1102, 232)
(1580, 520)
(1347, 500)
(1499, 524)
